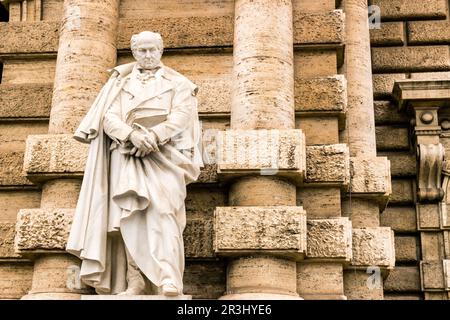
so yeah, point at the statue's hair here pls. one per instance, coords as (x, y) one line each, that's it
(147, 35)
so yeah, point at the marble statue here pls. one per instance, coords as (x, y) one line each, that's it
(145, 147)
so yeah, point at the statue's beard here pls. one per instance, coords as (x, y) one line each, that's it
(149, 63)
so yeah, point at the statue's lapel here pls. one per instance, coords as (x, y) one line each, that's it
(139, 96)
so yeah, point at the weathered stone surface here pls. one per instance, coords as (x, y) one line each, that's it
(356, 285)
(328, 165)
(406, 296)
(198, 238)
(392, 138)
(29, 36)
(428, 216)
(387, 112)
(329, 239)
(370, 176)
(433, 275)
(400, 219)
(7, 233)
(265, 152)
(11, 166)
(14, 200)
(406, 249)
(373, 247)
(431, 75)
(180, 32)
(25, 101)
(423, 32)
(25, 71)
(412, 59)
(390, 34)
(319, 130)
(39, 229)
(205, 280)
(319, 28)
(402, 164)
(242, 230)
(323, 95)
(329, 275)
(214, 95)
(384, 83)
(325, 63)
(15, 279)
(407, 9)
(320, 202)
(402, 192)
(47, 155)
(403, 279)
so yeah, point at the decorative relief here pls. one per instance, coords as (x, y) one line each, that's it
(430, 158)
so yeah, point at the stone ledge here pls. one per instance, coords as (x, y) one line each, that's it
(319, 28)
(329, 240)
(277, 230)
(373, 247)
(327, 165)
(411, 10)
(261, 152)
(25, 100)
(371, 177)
(47, 156)
(29, 37)
(40, 229)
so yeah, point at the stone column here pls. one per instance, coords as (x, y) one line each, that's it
(366, 197)
(87, 48)
(263, 101)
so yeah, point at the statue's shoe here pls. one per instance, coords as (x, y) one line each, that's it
(169, 290)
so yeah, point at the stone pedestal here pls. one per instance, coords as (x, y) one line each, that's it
(138, 297)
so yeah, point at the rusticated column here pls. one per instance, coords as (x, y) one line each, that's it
(366, 196)
(87, 48)
(263, 98)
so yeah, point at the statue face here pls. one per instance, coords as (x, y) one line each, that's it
(147, 55)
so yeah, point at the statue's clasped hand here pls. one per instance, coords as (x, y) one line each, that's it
(143, 143)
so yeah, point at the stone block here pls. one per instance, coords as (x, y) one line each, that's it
(7, 233)
(325, 63)
(406, 249)
(214, 95)
(428, 216)
(357, 282)
(327, 165)
(25, 101)
(261, 152)
(29, 37)
(329, 239)
(329, 275)
(433, 245)
(411, 10)
(403, 279)
(400, 219)
(42, 229)
(423, 32)
(384, 83)
(277, 230)
(392, 138)
(205, 279)
(387, 112)
(371, 176)
(402, 164)
(15, 279)
(321, 95)
(434, 275)
(320, 202)
(198, 239)
(402, 192)
(390, 34)
(411, 59)
(11, 169)
(319, 130)
(39, 70)
(59, 155)
(319, 28)
(14, 200)
(373, 247)
(181, 32)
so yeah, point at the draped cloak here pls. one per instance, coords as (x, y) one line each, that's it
(142, 198)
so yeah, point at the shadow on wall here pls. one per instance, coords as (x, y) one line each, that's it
(4, 17)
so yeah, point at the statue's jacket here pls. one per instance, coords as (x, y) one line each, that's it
(90, 238)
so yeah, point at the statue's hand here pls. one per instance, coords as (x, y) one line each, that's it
(141, 145)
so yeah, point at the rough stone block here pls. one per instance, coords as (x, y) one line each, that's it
(384, 83)
(214, 95)
(261, 152)
(321, 95)
(319, 28)
(423, 32)
(320, 202)
(411, 10)
(7, 233)
(390, 34)
(328, 165)
(400, 219)
(373, 247)
(329, 239)
(198, 239)
(14, 200)
(411, 59)
(433, 275)
(319, 130)
(329, 275)
(433, 245)
(39, 70)
(402, 192)
(387, 113)
(42, 229)
(180, 32)
(402, 164)
(406, 249)
(428, 216)
(403, 279)
(324, 61)
(25, 101)
(49, 155)
(29, 37)
(11, 169)
(392, 138)
(15, 279)
(248, 230)
(371, 176)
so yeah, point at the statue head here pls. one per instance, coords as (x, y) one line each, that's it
(147, 48)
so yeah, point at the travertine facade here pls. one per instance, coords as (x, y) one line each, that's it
(327, 142)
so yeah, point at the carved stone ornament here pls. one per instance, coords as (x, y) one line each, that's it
(430, 160)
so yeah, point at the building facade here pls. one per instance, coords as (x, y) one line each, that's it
(325, 129)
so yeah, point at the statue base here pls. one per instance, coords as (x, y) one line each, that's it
(136, 297)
